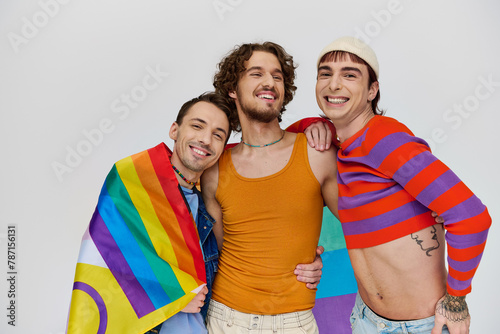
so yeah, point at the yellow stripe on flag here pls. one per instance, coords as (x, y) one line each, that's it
(84, 315)
(143, 203)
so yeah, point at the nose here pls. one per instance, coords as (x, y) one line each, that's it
(268, 80)
(205, 137)
(335, 83)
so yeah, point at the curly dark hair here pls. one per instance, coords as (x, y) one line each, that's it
(231, 67)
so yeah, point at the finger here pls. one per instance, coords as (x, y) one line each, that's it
(315, 135)
(323, 136)
(438, 325)
(317, 265)
(437, 329)
(329, 137)
(308, 278)
(310, 275)
(312, 286)
(319, 138)
(310, 140)
(320, 250)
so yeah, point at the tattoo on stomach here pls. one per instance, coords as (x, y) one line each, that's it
(427, 243)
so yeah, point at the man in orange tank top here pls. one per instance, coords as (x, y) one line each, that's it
(267, 223)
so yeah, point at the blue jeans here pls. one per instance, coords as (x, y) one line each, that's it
(185, 323)
(365, 321)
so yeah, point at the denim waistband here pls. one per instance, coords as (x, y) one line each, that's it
(388, 326)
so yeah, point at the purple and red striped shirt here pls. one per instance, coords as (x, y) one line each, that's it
(389, 181)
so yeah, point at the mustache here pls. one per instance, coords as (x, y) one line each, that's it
(271, 89)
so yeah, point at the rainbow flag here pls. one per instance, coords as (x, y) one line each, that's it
(140, 259)
(337, 289)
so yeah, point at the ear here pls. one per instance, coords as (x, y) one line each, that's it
(372, 93)
(232, 94)
(174, 130)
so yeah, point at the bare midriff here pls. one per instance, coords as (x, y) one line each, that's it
(403, 279)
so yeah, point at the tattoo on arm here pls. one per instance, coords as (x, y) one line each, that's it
(434, 244)
(453, 308)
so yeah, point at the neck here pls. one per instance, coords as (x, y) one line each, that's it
(258, 133)
(346, 130)
(188, 174)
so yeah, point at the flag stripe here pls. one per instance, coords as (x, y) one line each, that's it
(117, 197)
(119, 266)
(164, 172)
(145, 212)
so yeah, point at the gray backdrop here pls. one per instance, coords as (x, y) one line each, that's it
(86, 83)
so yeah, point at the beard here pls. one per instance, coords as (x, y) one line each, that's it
(254, 113)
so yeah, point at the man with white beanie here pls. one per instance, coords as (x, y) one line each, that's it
(389, 182)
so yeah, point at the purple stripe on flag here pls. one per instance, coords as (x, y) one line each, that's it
(101, 306)
(459, 241)
(384, 220)
(332, 313)
(119, 267)
(469, 208)
(465, 266)
(458, 285)
(438, 187)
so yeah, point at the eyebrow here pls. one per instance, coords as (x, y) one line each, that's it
(196, 119)
(259, 68)
(347, 68)
(355, 69)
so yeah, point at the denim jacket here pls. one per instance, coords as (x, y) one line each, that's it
(204, 224)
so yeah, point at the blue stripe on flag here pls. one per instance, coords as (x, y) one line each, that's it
(131, 250)
(338, 276)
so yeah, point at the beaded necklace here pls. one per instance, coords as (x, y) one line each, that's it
(182, 176)
(274, 142)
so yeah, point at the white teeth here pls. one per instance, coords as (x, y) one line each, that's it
(337, 100)
(266, 96)
(199, 152)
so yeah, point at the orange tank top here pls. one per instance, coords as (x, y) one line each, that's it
(271, 224)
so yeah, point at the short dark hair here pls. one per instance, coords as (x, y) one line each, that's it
(209, 97)
(231, 67)
(343, 55)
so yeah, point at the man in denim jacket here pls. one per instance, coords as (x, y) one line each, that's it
(200, 133)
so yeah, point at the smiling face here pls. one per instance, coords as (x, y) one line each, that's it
(199, 139)
(260, 90)
(343, 92)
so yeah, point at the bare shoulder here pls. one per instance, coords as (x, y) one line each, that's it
(323, 164)
(209, 182)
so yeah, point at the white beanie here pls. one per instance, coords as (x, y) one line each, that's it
(354, 46)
